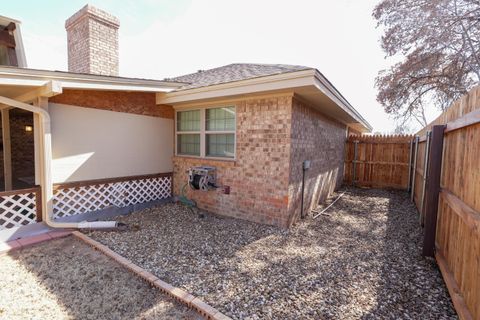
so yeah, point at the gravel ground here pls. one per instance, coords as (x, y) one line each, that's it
(363, 261)
(67, 279)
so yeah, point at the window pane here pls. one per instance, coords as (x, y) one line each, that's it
(220, 119)
(188, 144)
(188, 120)
(220, 145)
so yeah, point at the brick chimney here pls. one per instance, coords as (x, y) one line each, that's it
(92, 39)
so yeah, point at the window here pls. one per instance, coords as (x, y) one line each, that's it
(221, 145)
(188, 120)
(220, 119)
(189, 144)
(206, 132)
(188, 132)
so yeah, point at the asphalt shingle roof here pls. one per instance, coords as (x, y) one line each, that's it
(234, 72)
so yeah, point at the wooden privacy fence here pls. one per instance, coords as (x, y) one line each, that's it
(378, 161)
(441, 168)
(446, 191)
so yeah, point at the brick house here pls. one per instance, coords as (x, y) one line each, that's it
(282, 116)
(255, 123)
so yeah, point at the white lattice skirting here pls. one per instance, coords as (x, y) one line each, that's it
(17, 210)
(81, 199)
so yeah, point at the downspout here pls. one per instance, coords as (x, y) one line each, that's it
(305, 167)
(46, 172)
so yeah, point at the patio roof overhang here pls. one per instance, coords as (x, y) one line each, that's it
(310, 85)
(19, 87)
(43, 150)
(25, 84)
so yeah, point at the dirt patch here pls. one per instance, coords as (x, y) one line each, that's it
(363, 261)
(67, 279)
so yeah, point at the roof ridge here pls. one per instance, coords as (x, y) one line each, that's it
(235, 72)
(268, 64)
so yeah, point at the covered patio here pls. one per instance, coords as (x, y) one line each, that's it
(21, 141)
(40, 185)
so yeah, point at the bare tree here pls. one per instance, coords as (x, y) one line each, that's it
(402, 129)
(438, 43)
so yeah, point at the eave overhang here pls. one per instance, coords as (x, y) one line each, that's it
(17, 79)
(310, 85)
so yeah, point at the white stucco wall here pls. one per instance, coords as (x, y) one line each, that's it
(95, 144)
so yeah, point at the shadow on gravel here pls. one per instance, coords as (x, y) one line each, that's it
(410, 286)
(67, 279)
(361, 262)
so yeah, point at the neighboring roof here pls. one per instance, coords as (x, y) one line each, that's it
(19, 49)
(7, 20)
(234, 72)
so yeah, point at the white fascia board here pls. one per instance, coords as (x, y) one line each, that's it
(8, 81)
(31, 77)
(6, 20)
(19, 48)
(87, 85)
(283, 81)
(322, 84)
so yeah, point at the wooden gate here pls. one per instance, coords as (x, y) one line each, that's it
(378, 161)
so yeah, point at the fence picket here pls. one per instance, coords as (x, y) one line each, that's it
(457, 232)
(378, 161)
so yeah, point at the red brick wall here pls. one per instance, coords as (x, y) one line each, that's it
(274, 136)
(22, 147)
(23, 152)
(321, 140)
(258, 178)
(129, 102)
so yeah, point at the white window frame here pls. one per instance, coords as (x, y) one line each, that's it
(203, 133)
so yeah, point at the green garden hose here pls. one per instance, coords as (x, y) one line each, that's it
(186, 201)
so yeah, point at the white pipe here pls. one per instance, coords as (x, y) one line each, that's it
(97, 225)
(331, 204)
(45, 158)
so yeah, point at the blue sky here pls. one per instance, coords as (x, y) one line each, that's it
(161, 38)
(136, 14)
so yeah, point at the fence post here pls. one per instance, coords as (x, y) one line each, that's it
(171, 185)
(38, 204)
(410, 167)
(355, 150)
(425, 177)
(414, 167)
(433, 189)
